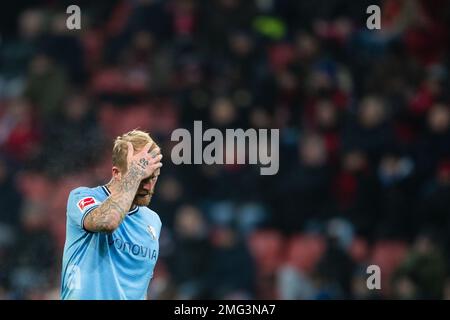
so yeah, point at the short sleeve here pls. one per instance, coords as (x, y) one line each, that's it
(159, 226)
(80, 203)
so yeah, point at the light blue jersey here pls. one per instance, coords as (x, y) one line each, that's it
(100, 265)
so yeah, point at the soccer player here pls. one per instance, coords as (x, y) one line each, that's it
(112, 238)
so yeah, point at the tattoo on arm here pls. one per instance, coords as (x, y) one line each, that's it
(105, 217)
(110, 214)
(130, 182)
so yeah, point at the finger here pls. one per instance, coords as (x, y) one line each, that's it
(130, 151)
(155, 152)
(156, 159)
(156, 166)
(147, 147)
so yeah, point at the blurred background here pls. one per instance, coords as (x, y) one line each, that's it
(364, 125)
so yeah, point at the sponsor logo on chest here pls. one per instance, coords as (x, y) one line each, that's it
(134, 249)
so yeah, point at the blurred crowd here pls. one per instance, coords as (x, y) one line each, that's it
(364, 125)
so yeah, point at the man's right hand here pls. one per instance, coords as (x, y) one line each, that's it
(145, 162)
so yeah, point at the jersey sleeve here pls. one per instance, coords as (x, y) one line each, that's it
(81, 202)
(159, 226)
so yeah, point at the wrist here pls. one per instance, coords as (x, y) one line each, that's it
(136, 172)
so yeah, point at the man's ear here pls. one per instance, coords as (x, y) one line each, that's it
(116, 173)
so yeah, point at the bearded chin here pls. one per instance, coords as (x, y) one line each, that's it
(142, 201)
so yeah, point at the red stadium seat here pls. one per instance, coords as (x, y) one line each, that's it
(280, 55)
(114, 120)
(305, 251)
(266, 248)
(388, 255)
(359, 250)
(158, 117)
(108, 81)
(34, 186)
(93, 43)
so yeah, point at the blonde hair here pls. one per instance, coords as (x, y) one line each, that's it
(137, 138)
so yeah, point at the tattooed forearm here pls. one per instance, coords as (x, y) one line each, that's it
(110, 214)
(130, 182)
(106, 217)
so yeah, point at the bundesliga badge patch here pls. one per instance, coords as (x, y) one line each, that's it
(86, 202)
